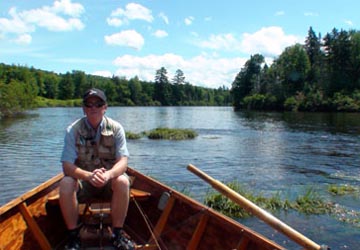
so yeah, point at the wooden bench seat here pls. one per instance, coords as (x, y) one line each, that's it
(136, 194)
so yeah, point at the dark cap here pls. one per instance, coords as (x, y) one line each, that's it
(94, 92)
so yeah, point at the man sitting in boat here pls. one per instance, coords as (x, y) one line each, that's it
(94, 161)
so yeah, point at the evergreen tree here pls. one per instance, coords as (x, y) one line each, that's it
(162, 92)
(338, 54)
(247, 78)
(313, 50)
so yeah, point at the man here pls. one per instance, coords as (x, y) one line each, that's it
(94, 161)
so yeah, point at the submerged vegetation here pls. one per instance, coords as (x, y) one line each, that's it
(342, 189)
(309, 203)
(164, 133)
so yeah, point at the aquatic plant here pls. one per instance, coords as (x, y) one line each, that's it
(164, 133)
(342, 189)
(171, 134)
(133, 136)
(309, 203)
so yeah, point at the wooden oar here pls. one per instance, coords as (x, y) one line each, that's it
(257, 211)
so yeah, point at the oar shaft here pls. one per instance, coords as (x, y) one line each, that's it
(255, 210)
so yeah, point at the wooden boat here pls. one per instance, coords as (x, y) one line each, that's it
(159, 217)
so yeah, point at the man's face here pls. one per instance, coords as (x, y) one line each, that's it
(94, 108)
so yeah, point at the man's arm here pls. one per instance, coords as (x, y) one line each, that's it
(118, 169)
(74, 171)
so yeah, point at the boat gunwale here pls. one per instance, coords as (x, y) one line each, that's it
(197, 205)
(48, 186)
(30, 194)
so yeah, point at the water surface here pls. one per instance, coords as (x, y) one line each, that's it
(283, 153)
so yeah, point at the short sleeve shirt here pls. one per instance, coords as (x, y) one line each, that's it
(69, 153)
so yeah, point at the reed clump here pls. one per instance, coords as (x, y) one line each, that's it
(309, 203)
(164, 134)
(171, 134)
(342, 189)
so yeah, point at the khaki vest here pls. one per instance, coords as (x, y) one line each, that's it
(91, 154)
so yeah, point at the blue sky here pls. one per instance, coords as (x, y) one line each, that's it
(208, 40)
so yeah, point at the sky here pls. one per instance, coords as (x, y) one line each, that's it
(209, 40)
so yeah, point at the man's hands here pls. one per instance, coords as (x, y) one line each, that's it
(99, 177)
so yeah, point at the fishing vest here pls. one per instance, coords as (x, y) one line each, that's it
(95, 154)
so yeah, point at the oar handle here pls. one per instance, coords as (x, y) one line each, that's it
(257, 211)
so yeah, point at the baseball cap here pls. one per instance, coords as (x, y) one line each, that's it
(94, 92)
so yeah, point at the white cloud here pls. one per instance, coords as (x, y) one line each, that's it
(220, 42)
(104, 73)
(268, 41)
(23, 39)
(51, 21)
(164, 17)
(15, 24)
(62, 16)
(349, 22)
(113, 21)
(132, 11)
(128, 38)
(201, 70)
(189, 20)
(160, 33)
(68, 8)
(280, 13)
(311, 14)
(137, 11)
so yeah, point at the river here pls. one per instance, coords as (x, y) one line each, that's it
(270, 153)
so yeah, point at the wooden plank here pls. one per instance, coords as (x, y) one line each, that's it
(160, 225)
(139, 194)
(34, 228)
(243, 243)
(134, 193)
(200, 228)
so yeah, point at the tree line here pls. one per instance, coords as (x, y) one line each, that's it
(321, 75)
(21, 87)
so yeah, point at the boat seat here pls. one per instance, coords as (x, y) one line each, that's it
(136, 194)
(95, 206)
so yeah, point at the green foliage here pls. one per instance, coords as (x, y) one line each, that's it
(133, 136)
(16, 96)
(171, 134)
(320, 75)
(164, 133)
(309, 203)
(45, 102)
(342, 189)
(260, 102)
(247, 79)
(291, 104)
(26, 84)
(343, 102)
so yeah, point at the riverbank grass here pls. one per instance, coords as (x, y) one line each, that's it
(42, 102)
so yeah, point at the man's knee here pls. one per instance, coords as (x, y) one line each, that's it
(68, 185)
(121, 182)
